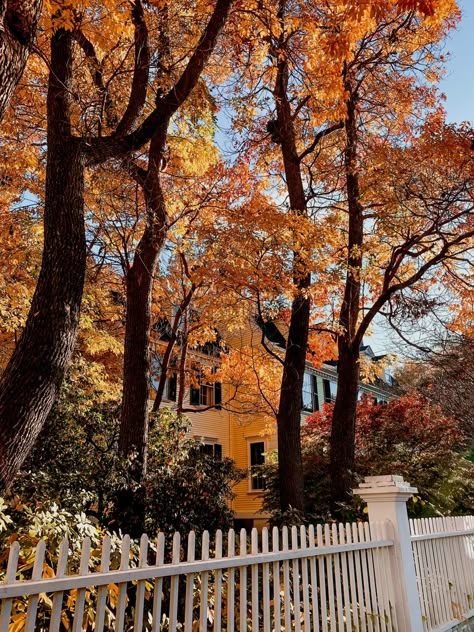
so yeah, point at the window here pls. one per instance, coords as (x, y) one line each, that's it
(310, 392)
(388, 377)
(330, 390)
(214, 450)
(257, 459)
(171, 384)
(171, 387)
(206, 394)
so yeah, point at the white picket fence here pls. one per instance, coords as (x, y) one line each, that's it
(332, 577)
(388, 575)
(443, 550)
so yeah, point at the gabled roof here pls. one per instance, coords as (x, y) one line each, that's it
(271, 332)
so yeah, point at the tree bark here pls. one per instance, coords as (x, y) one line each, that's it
(33, 376)
(19, 20)
(344, 416)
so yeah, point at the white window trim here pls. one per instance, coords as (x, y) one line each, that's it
(250, 440)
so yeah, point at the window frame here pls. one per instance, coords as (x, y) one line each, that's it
(251, 477)
(213, 390)
(313, 393)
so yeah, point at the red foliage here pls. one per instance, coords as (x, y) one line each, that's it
(409, 435)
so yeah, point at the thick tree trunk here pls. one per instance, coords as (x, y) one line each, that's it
(290, 464)
(343, 425)
(30, 383)
(344, 416)
(18, 19)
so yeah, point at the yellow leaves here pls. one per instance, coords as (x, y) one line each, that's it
(18, 622)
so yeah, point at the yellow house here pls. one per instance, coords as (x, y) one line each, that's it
(246, 436)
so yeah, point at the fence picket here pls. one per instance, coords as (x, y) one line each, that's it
(218, 585)
(371, 576)
(122, 588)
(140, 596)
(322, 579)
(345, 580)
(286, 582)
(174, 583)
(61, 567)
(353, 606)
(243, 581)
(36, 574)
(9, 579)
(102, 592)
(337, 580)
(368, 612)
(380, 583)
(296, 581)
(276, 582)
(266, 583)
(254, 576)
(388, 575)
(231, 583)
(81, 593)
(158, 590)
(305, 581)
(189, 597)
(330, 579)
(314, 580)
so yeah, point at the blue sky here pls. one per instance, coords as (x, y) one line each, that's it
(458, 85)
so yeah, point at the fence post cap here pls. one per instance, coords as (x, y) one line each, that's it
(389, 484)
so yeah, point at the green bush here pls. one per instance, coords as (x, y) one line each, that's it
(75, 464)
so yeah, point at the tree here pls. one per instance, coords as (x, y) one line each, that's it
(446, 377)
(19, 22)
(140, 274)
(311, 47)
(30, 383)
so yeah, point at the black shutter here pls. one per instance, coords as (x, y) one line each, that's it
(218, 394)
(172, 387)
(194, 394)
(327, 391)
(315, 393)
(217, 451)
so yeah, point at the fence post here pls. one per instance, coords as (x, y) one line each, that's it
(386, 498)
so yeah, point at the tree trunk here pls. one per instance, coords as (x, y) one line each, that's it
(344, 416)
(139, 279)
(343, 425)
(19, 19)
(136, 369)
(290, 464)
(30, 383)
